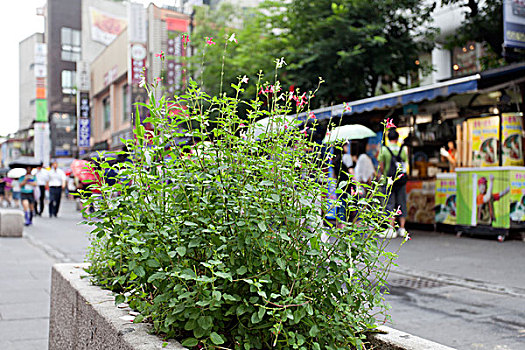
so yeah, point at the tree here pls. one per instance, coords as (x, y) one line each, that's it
(484, 24)
(356, 46)
(252, 49)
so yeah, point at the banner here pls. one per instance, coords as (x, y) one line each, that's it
(42, 142)
(41, 110)
(483, 198)
(420, 201)
(484, 135)
(517, 197)
(105, 27)
(446, 199)
(514, 23)
(512, 139)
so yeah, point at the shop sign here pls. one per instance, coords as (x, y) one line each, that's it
(446, 200)
(137, 23)
(84, 132)
(83, 79)
(83, 105)
(138, 55)
(484, 133)
(514, 23)
(110, 76)
(41, 110)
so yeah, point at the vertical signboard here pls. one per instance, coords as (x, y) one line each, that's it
(484, 135)
(83, 107)
(42, 142)
(514, 23)
(137, 57)
(175, 52)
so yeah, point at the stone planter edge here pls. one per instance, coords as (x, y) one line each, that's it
(84, 316)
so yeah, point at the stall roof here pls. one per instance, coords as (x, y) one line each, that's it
(469, 84)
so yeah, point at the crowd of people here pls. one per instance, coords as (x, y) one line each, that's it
(31, 189)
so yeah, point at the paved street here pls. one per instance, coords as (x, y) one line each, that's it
(464, 292)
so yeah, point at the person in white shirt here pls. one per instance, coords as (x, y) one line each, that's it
(365, 170)
(56, 182)
(41, 181)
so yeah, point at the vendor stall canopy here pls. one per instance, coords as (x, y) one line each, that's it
(488, 80)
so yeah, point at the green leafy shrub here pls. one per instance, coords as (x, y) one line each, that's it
(223, 244)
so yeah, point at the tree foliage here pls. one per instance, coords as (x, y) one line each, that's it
(483, 23)
(356, 46)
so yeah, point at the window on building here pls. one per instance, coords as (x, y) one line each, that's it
(107, 112)
(68, 82)
(70, 39)
(125, 103)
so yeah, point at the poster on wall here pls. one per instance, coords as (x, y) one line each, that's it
(484, 133)
(512, 139)
(514, 23)
(517, 197)
(420, 201)
(446, 199)
(483, 198)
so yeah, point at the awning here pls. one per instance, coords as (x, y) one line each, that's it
(400, 98)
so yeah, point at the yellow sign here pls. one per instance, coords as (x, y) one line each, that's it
(484, 133)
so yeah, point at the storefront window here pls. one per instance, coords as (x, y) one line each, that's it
(70, 39)
(69, 82)
(107, 113)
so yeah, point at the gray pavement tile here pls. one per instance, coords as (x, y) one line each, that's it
(33, 344)
(23, 296)
(29, 329)
(24, 284)
(26, 310)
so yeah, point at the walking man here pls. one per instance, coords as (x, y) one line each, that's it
(41, 181)
(56, 182)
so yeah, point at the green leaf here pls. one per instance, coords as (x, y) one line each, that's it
(205, 322)
(190, 342)
(138, 319)
(262, 226)
(314, 331)
(181, 250)
(216, 338)
(242, 270)
(119, 299)
(139, 271)
(225, 275)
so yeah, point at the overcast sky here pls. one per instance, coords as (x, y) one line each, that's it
(17, 22)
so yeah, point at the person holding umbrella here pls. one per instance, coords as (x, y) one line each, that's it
(41, 181)
(56, 182)
(28, 183)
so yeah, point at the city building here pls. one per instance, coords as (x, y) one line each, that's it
(63, 38)
(117, 72)
(33, 117)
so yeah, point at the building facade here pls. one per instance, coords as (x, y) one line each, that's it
(63, 37)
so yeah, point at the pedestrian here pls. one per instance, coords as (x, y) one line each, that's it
(56, 183)
(343, 168)
(41, 181)
(27, 187)
(392, 163)
(16, 190)
(2, 192)
(365, 170)
(8, 191)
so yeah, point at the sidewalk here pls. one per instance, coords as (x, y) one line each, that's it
(25, 276)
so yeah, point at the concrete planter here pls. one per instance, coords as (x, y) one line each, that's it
(84, 316)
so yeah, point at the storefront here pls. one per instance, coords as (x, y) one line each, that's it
(481, 115)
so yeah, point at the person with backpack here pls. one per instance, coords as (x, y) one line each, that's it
(392, 164)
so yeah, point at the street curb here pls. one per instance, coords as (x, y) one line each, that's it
(460, 282)
(84, 316)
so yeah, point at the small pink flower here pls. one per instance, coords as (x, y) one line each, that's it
(158, 80)
(353, 192)
(398, 211)
(311, 115)
(389, 124)
(241, 125)
(160, 54)
(244, 79)
(348, 108)
(209, 41)
(285, 126)
(262, 91)
(185, 38)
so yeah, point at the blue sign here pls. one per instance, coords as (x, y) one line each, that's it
(84, 132)
(514, 23)
(61, 153)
